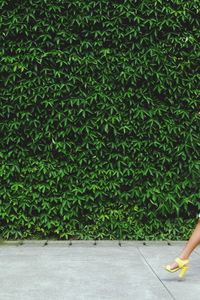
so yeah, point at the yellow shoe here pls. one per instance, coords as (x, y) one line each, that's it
(181, 265)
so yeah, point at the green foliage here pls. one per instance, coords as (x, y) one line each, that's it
(99, 124)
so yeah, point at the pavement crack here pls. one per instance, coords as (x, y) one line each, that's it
(156, 274)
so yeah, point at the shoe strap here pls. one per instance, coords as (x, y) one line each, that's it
(181, 262)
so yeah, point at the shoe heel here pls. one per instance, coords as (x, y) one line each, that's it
(183, 272)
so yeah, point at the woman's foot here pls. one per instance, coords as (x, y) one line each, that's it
(175, 264)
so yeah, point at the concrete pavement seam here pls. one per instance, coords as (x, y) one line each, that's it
(169, 292)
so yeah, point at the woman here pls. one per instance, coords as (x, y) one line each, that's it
(182, 260)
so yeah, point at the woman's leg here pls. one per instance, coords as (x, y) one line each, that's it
(191, 244)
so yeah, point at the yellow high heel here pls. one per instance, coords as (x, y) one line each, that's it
(181, 265)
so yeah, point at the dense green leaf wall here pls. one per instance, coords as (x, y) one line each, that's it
(100, 135)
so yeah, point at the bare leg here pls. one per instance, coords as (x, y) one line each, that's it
(190, 246)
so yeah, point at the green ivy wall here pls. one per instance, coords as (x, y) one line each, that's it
(99, 124)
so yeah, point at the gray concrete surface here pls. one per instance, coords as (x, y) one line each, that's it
(84, 270)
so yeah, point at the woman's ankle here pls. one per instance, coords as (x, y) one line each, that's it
(183, 257)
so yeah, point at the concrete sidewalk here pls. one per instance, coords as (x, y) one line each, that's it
(84, 270)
